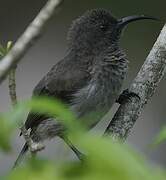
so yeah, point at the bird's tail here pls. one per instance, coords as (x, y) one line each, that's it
(21, 155)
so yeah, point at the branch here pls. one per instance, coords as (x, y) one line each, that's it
(33, 146)
(12, 82)
(31, 34)
(144, 85)
(12, 86)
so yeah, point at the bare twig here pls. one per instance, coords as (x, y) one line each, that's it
(12, 83)
(12, 78)
(144, 85)
(33, 147)
(12, 86)
(30, 35)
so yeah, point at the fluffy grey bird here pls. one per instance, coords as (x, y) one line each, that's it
(89, 78)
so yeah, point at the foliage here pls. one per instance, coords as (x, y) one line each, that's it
(105, 158)
(161, 137)
(5, 50)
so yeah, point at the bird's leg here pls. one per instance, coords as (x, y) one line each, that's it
(125, 96)
(80, 155)
(34, 147)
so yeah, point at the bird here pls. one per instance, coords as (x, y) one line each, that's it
(88, 79)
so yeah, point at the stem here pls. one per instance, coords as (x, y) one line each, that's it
(12, 86)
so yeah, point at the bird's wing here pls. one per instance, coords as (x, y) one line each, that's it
(62, 82)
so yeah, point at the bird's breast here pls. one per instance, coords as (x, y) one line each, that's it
(93, 101)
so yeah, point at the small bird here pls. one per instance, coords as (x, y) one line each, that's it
(90, 76)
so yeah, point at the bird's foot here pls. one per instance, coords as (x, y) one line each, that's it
(35, 147)
(126, 96)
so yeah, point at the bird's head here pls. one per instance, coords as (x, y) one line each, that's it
(98, 28)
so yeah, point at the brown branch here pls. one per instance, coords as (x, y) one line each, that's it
(12, 86)
(144, 85)
(33, 146)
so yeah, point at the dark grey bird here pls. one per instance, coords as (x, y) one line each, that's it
(89, 78)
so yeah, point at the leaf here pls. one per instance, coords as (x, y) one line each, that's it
(5, 133)
(53, 108)
(9, 46)
(2, 50)
(14, 118)
(105, 159)
(36, 170)
(161, 137)
(1, 55)
(48, 106)
(115, 161)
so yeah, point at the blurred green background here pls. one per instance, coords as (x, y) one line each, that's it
(137, 41)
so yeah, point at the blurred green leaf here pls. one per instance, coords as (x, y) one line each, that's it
(5, 50)
(1, 55)
(110, 160)
(5, 133)
(36, 170)
(161, 137)
(53, 108)
(2, 50)
(9, 46)
(43, 105)
(105, 159)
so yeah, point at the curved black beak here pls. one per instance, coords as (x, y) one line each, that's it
(126, 20)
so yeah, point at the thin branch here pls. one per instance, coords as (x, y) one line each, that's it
(144, 85)
(33, 146)
(12, 86)
(31, 34)
(12, 77)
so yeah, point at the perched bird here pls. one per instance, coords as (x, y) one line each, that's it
(89, 78)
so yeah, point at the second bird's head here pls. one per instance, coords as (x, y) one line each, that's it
(98, 28)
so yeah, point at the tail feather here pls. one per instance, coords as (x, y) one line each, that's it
(21, 155)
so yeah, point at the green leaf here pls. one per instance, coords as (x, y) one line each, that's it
(1, 55)
(2, 50)
(161, 137)
(5, 50)
(9, 46)
(54, 108)
(42, 105)
(6, 130)
(36, 170)
(105, 159)
(112, 160)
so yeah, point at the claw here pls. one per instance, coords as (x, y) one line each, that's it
(126, 96)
